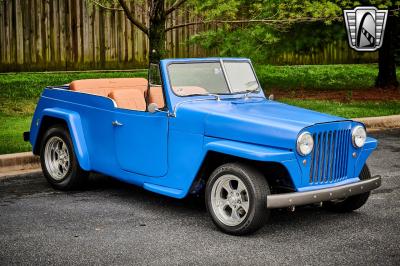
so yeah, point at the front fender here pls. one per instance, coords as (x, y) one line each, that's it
(73, 120)
(369, 146)
(257, 153)
(249, 151)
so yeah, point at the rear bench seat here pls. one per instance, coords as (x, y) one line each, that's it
(104, 87)
(128, 93)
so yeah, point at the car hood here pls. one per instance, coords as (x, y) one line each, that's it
(258, 121)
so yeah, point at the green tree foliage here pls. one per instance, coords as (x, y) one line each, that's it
(259, 29)
(263, 28)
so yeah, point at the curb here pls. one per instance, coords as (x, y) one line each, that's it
(380, 122)
(23, 161)
(26, 161)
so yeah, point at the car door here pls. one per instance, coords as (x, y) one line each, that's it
(141, 141)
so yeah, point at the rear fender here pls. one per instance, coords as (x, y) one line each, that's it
(74, 123)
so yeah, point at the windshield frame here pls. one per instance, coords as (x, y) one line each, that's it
(221, 62)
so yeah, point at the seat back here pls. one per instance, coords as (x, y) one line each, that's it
(156, 96)
(132, 99)
(104, 87)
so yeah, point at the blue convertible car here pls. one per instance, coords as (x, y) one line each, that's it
(203, 126)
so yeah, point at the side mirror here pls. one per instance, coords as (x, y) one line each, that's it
(271, 97)
(152, 108)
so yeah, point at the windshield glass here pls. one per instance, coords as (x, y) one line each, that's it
(240, 76)
(209, 78)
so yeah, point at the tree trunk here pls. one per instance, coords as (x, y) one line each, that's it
(156, 31)
(387, 63)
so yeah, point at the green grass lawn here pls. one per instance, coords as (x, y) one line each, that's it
(334, 77)
(348, 110)
(11, 128)
(19, 93)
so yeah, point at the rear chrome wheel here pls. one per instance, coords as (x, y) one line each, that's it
(59, 163)
(236, 195)
(57, 158)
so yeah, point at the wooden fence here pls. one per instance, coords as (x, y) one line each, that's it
(75, 34)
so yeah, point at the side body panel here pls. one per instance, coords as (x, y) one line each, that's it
(141, 142)
(89, 119)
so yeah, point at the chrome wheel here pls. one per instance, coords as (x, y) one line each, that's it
(230, 200)
(57, 158)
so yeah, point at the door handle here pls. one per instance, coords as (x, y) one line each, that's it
(116, 123)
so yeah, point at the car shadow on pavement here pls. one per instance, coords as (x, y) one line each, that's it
(104, 187)
(303, 215)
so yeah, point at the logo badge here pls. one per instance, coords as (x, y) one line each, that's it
(365, 27)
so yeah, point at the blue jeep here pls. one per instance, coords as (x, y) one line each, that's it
(203, 126)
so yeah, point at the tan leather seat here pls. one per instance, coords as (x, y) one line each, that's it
(104, 87)
(156, 95)
(129, 99)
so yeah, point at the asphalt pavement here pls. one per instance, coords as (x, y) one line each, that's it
(116, 223)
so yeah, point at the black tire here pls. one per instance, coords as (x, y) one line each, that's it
(353, 202)
(75, 176)
(258, 190)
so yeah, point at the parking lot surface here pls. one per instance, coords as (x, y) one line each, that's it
(116, 223)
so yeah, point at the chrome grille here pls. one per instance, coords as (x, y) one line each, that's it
(329, 159)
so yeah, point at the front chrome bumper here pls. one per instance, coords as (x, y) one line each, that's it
(315, 196)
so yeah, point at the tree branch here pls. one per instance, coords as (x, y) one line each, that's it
(132, 19)
(175, 6)
(265, 21)
(109, 8)
(105, 7)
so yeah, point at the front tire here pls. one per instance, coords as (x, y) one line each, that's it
(353, 202)
(58, 160)
(236, 198)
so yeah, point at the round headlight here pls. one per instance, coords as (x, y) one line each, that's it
(305, 143)
(358, 136)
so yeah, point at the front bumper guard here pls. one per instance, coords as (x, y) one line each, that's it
(308, 197)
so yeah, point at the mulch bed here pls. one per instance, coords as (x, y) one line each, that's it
(372, 94)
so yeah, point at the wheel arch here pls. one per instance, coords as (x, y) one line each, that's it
(272, 169)
(72, 121)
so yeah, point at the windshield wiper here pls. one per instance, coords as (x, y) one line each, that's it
(246, 93)
(217, 97)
